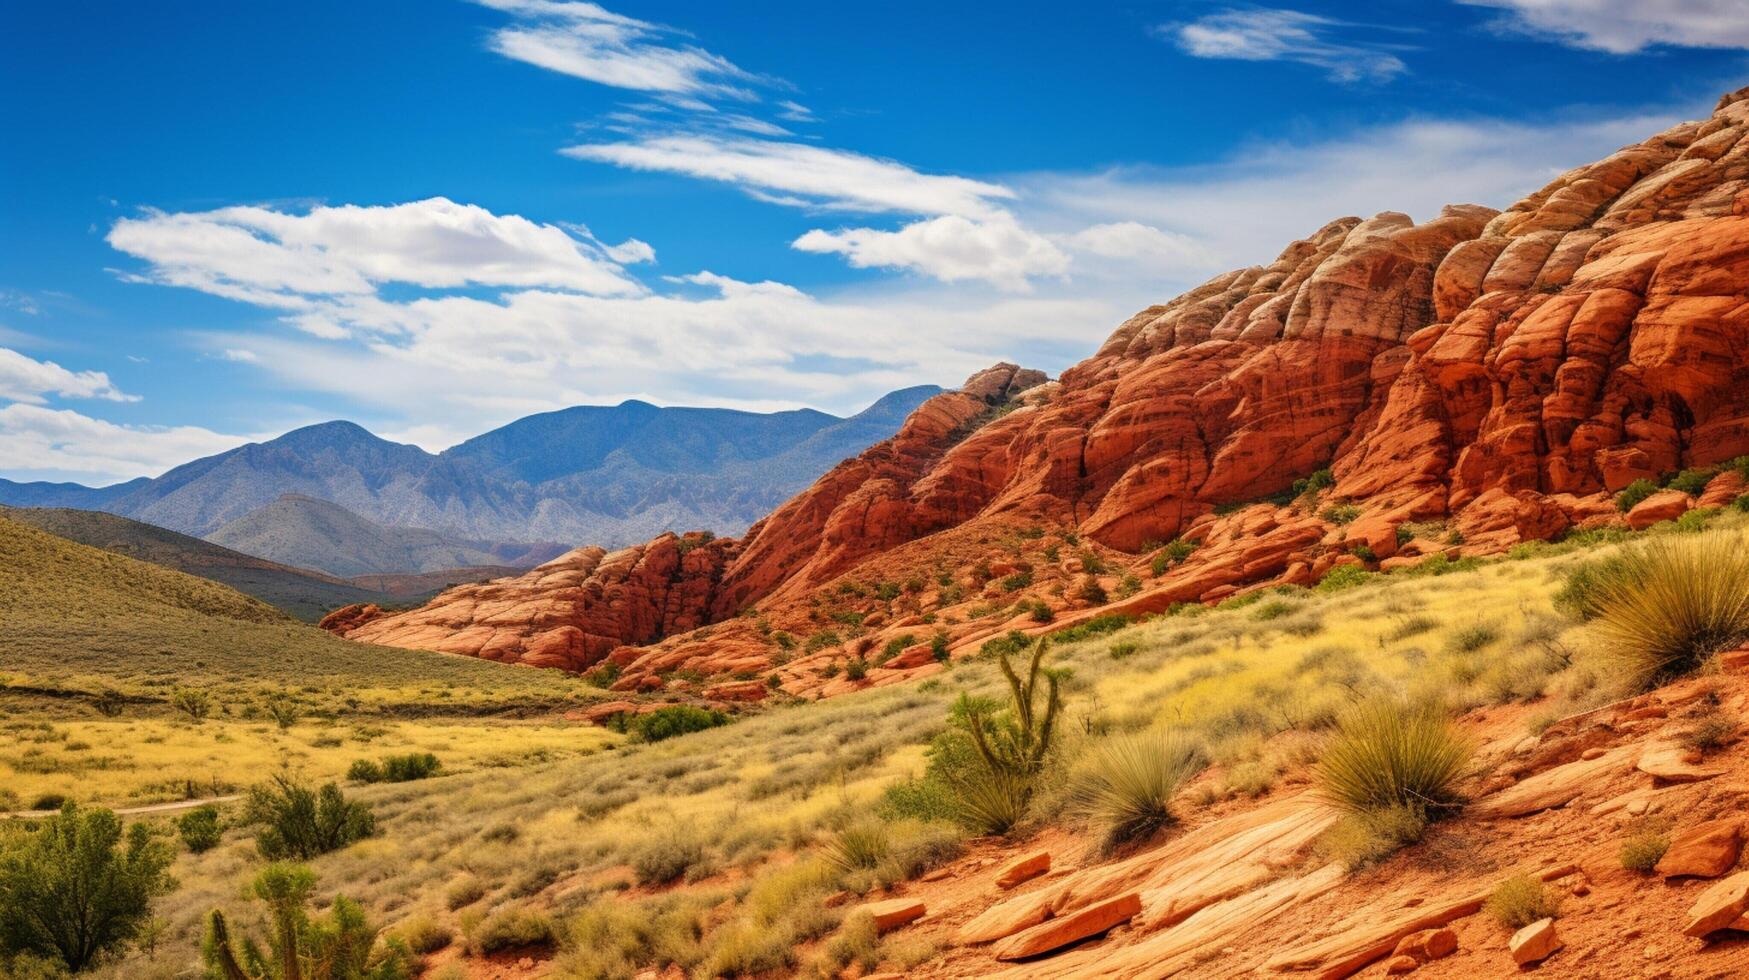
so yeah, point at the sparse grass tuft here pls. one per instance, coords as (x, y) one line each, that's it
(1520, 900)
(1643, 850)
(1674, 603)
(1126, 784)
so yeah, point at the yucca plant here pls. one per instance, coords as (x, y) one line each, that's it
(1009, 742)
(1673, 603)
(859, 846)
(1126, 784)
(1387, 755)
(992, 801)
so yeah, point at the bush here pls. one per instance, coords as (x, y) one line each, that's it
(200, 829)
(665, 858)
(614, 938)
(938, 646)
(465, 890)
(73, 890)
(856, 669)
(283, 712)
(1126, 785)
(1691, 482)
(298, 822)
(1580, 594)
(1642, 851)
(195, 704)
(680, 719)
(1092, 593)
(1632, 494)
(424, 937)
(861, 845)
(1469, 639)
(509, 928)
(1362, 838)
(1340, 513)
(1386, 756)
(1520, 900)
(921, 799)
(1674, 603)
(1343, 577)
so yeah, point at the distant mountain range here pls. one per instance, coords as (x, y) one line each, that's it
(602, 475)
(303, 593)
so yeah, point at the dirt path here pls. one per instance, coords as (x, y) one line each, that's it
(134, 811)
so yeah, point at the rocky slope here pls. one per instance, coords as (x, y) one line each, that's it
(1469, 382)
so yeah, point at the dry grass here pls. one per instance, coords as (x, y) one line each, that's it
(1668, 605)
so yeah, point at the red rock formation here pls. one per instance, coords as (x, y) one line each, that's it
(1502, 372)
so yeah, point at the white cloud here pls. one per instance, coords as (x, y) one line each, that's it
(1264, 34)
(25, 379)
(274, 258)
(587, 41)
(800, 175)
(949, 248)
(1627, 26)
(240, 355)
(1134, 240)
(34, 439)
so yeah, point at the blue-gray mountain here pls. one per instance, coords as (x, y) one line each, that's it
(591, 474)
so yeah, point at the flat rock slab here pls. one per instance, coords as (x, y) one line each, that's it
(1673, 764)
(1552, 788)
(1719, 907)
(893, 913)
(1057, 933)
(1024, 869)
(1007, 918)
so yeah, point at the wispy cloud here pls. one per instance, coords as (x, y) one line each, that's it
(950, 248)
(590, 42)
(1265, 34)
(1628, 26)
(25, 379)
(39, 440)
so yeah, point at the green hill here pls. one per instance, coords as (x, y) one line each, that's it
(79, 619)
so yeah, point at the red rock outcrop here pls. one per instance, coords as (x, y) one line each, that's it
(1502, 373)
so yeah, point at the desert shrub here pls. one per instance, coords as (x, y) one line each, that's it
(680, 719)
(1340, 513)
(298, 822)
(76, 888)
(820, 641)
(1695, 520)
(922, 799)
(1469, 639)
(666, 857)
(1126, 784)
(1741, 504)
(200, 829)
(1343, 577)
(1691, 482)
(1675, 602)
(615, 939)
(47, 801)
(1097, 626)
(283, 712)
(424, 936)
(1274, 609)
(1011, 741)
(1643, 850)
(465, 890)
(856, 669)
(1387, 755)
(857, 941)
(515, 927)
(861, 845)
(1122, 649)
(29, 966)
(1710, 732)
(1632, 494)
(1092, 593)
(938, 645)
(1520, 900)
(1580, 593)
(197, 705)
(1364, 837)
(896, 646)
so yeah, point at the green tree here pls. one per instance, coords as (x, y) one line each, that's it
(342, 946)
(73, 889)
(298, 822)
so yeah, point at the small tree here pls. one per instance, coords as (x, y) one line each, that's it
(283, 712)
(341, 947)
(73, 890)
(299, 822)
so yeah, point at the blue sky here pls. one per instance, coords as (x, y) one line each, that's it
(219, 221)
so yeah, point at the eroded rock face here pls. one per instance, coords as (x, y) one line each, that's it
(1505, 372)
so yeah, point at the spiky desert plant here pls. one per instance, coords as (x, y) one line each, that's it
(1125, 785)
(1387, 754)
(859, 846)
(1015, 738)
(992, 801)
(1673, 603)
(341, 947)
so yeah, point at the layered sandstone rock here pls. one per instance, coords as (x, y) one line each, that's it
(1501, 372)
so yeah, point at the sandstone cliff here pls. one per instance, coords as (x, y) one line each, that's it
(1493, 375)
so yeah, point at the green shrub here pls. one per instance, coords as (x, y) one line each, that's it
(1126, 784)
(1123, 649)
(395, 768)
(679, 719)
(938, 646)
(1691, 482)
(1520, 900)
(1097, 626)
(604, 674)
(920, 799)
(200, 829)
(1316, 481)
(1343, 577)
(1579, 595)
(197, 705)
(1389, 755)
(283, 712)
(1642, 851)
(820, 641)
(1469, 639)
(76, 888)
(1274, 609)
(896, 646)
(1341, 513)
(1092, 593)
(1741, 504)
(1675, 602)
(1011, 742)
(424, 936)
(301, 823)
(1696, 519)
(343, 947)
(856, 669)
(1632, 494)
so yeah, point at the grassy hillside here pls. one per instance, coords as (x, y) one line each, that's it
(731, 821)
(77, 617)
(306, 595)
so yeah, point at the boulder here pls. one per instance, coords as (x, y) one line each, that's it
(1705, 851)
(1665, 505)
(1674, 764)
(892, 913)
(1024, 869)
(1719, 907)
(1534, 943)
(1428, 944)
(1057, 933)
(1401, 964)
